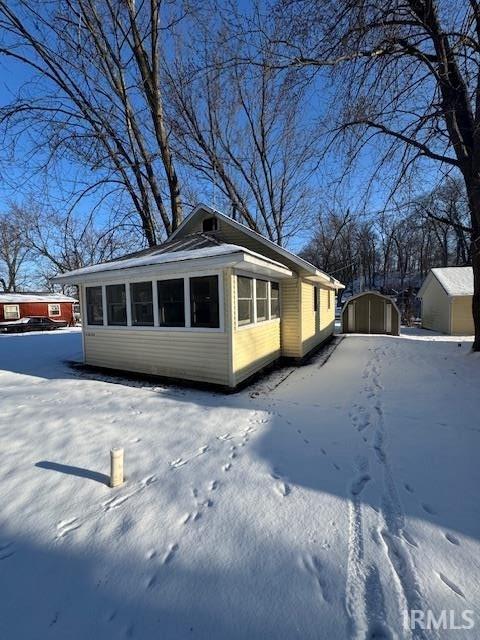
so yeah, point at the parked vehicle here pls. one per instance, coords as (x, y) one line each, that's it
(33, 323)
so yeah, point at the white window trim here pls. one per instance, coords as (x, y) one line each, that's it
(156, 327)
(256, 322)
(11, 306)
(54, 315)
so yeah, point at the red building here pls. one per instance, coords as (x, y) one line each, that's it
(14, 306)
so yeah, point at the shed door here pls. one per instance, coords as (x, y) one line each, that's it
(351, 317)
(377, 315)
(388, 318)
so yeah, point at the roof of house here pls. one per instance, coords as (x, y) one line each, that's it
(456, 281)
(195, 247)
(301, 262)
(203, 247)
(16, 298)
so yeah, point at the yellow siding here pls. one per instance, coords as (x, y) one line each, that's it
(178, 354)
(462, 316)
(435, 307)
(290, 314)
(315, 327)
(253, 347)
(203, 356)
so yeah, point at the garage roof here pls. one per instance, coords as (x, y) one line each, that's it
(457, 281)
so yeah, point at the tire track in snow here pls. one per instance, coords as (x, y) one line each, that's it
(392, 536)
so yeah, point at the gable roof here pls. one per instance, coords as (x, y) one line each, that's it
(209, 252)
(456, 281)
(302, 264)
(370, 293)
(17, 298)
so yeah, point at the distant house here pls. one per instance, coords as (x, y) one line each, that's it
(14, 306)
(446, 296)
(216, 303)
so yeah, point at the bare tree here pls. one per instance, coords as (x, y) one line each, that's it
(13, 250)
(404, 70)
(99, 65)
(244, 129)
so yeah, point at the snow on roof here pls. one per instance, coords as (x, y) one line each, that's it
(457, 281)
(164, 258)
(16, 298)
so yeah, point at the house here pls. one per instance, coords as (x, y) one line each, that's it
(370, 312)
(216, 303)
(446, 296)
(14, 306)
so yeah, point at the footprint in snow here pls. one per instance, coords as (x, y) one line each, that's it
(213, 485)
(6, 551)
(168, 557)
(358, 485)
(452, 539)
(428, 509)
(227, 467)
(451, 585)
(151, 554)
(67, 526)
(408, 488)
(283, 489)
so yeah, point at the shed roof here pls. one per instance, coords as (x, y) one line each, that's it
(17, 298)
(457, 281)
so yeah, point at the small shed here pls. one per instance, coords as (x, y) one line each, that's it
(14, 306)
(446, 296)
(370, 312)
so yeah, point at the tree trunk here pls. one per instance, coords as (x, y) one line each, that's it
(473, 191)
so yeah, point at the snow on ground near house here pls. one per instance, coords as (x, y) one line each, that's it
(321, 509)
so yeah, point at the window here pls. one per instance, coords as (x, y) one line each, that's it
(329, 298)
(245, 300)
(116, 305)
(204, 302)
(94, 305)
(315, 299)
(142, 304)
(274, 300)
(171, 303)
(54, 310)
(210, 224)
(11, 312)
(262, 300)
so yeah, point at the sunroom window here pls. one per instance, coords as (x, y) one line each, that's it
(204, 308)
(116, 305)
(171, 303)
(142, 304)
(274, 300)
(262, 300)
(94, 305)
(245, 300)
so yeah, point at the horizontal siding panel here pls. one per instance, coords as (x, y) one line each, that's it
(200, 356)
(254, 348)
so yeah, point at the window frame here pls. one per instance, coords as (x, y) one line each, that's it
(50, 312)
(17, 307)
(126, 289)
(246, 323)
(171, 326)
(256, 322)
(267, 299)
(199, 277)
(186, 275)
(85, 305)
(272, 317)
(131, 286)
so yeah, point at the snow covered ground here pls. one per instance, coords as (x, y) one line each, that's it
(321, 509)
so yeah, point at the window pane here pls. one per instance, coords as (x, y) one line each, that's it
(275, 300)
(245, 289)
(204, 302)
(244, 300)
(11, 312)
(53, 309)
(261, 291)
(171, 303)
(116, 305)
(94, 305)
(142, 304)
